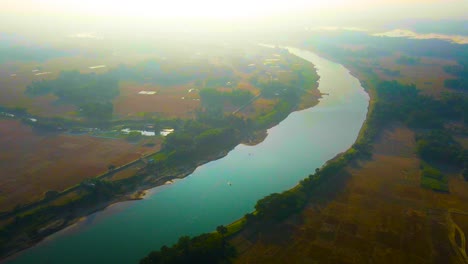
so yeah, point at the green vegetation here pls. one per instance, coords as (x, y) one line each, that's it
(213, 99)
(393, 102)
(194, 141)
(11, 49)
(162, 72)
(280, 111)
(30, 222)
(438, 146)
(91, 93)
(392, 73)
(461, 72)
(407, 60)
(133, 136)
(435, 145)
(279, 206)
(219, 77)
(201, 138)
(433, 179)
(206, 248)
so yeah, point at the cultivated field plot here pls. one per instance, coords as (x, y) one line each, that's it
(381, 215)
(16, 76)
(13, 88)
(32, 164)
(428, 74)
(173, 101)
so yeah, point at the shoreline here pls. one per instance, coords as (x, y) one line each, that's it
(63, 221)
(237, 226)
(138, 194)
(135, 195)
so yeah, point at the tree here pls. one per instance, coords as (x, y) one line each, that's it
(50, 194)
(184, 245)
(134, 136)
(222, 230)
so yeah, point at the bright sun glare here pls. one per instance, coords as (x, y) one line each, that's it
(183, 8)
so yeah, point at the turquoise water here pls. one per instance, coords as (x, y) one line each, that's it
(126, 232)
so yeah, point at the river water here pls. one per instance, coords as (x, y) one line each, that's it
(305, 140)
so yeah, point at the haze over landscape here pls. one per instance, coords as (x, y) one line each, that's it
(241, 131)
(219, 15)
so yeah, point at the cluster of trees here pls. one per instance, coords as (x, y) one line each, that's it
(278, 206)
(432, 178)
(392, 73)
(401, 102)
(160, 72)
(438, 146)
(279, 112)
(407, 60)
(14, 52)
(206, 248)
(73, 86)
(404, 103)
(219, 76)
(213, 99)
(461, 72)
(29, 224)
(435, 145)
(173, 72)
(196, 139)
(376, 46)
(91, 93)
(395, 102)
(186, 146)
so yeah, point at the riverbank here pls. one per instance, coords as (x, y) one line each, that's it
(67, 220)
(64, 220)
(339, 223)
(305, 134)
(296, 194)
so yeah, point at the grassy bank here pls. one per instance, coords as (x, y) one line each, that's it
(390, 102)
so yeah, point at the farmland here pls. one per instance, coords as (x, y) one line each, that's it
(34, 163)
(73, 127)
(150, 87)
(173, 101)
(428, 74)
(380, 214)
(378, 209)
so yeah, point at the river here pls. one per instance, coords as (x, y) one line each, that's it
(305, 140)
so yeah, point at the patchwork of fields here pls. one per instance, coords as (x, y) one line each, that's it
(33, 163)
(381, 215)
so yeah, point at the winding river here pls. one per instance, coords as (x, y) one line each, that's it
(221, 191)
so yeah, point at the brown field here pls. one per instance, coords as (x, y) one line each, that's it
(33, 163)
(12, 88)
(258, 107)
(428, 75)
(244, 85)
(380, 215)
(462, 221)
(166, 102)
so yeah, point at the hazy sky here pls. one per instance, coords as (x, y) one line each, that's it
(237, 8)
(30, 13)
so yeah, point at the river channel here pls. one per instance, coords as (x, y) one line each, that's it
(220, 191)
